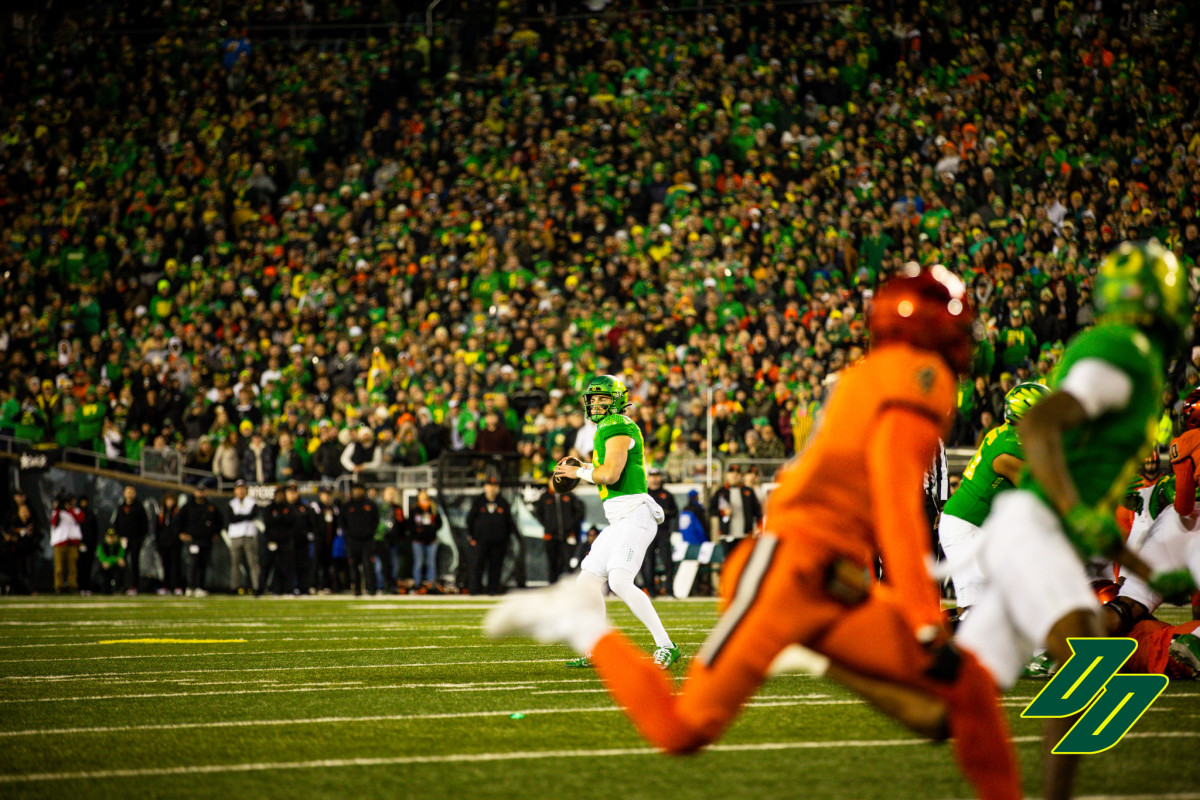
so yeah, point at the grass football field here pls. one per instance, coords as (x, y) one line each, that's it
(151, 697)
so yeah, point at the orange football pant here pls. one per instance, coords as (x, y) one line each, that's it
(780, 600)
(1153, 645)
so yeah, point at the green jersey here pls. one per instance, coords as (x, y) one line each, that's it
(980, 482)
(633, 477)
(91, 422)
(1104, 454)
(1162, 496)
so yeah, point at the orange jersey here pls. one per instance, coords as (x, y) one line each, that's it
(1184, 460)
(1184, 448)
(825, 491)
(857, 489)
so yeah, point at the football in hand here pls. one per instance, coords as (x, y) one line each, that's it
(564, 485)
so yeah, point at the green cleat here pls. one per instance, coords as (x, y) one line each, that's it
(583, 662)
(1184, 663)
(1042, 666)
(666, 656)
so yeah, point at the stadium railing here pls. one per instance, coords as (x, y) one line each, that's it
(163, 463)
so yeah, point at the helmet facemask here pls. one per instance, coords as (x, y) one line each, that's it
(598, 406)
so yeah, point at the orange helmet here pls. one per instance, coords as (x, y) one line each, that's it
(929, 309)
(1189, 414)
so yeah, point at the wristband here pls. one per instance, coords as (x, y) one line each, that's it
(585, 474)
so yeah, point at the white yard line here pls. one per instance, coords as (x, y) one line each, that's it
(780, 701)
(235, 652)
(8, 701)
(335, 763)
(533, 755)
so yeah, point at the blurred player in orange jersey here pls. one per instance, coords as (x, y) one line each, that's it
(855, 493)
(1185, 455)
(1186, 464)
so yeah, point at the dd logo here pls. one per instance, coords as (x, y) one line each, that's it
(1089, 681)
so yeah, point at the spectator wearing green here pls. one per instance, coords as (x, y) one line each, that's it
(110, 563)
(1018, 346)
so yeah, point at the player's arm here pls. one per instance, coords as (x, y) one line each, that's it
(1185, 486)
(898, 453)
(1042, 428)
(1091, 389)
(616, 454)
(1008, 466)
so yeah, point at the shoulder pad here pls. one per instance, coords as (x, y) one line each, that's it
(1185, 445)
(614, 419)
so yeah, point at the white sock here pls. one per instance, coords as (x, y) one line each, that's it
(621, 582)
(795, 658)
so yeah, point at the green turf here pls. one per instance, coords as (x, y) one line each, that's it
(370, 698)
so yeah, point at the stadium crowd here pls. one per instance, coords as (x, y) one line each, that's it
(302, 260)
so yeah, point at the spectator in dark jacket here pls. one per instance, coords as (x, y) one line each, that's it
(392, 548)
(131, 524)
(660, 549)
(200, 523)
(736, 507)
(561, 516)
(327, 459)
(19, 541)
(279, 564)
(326, 521)
(424, 522)
(495, 437)
(490, 525)
(360, 518)
(90, 529)
(170, 547)
(303, 533)
(434, 438)
(258, 462)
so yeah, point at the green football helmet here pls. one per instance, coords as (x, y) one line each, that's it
(1141, 283)
(1021, 397)
(608, 386)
